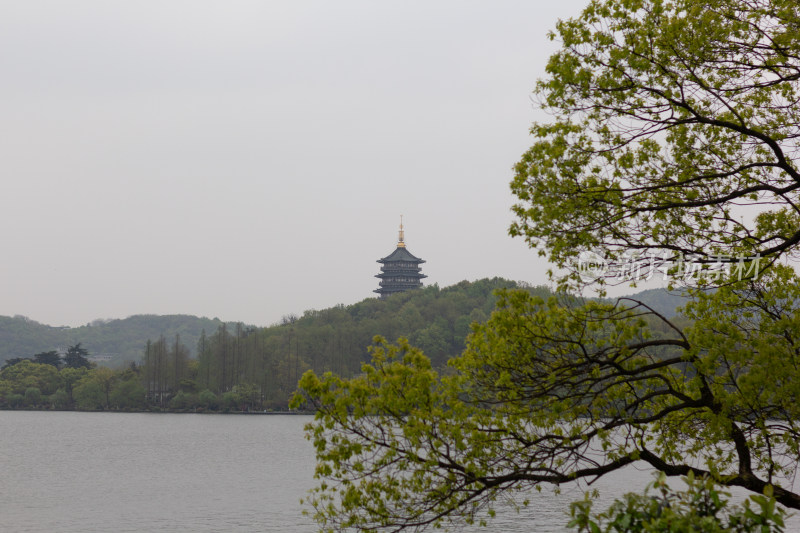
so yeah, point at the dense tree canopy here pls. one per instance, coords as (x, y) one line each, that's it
(121, 339)
(673, 141)
(51, 357)
(247, 368)
(669, 116)
(701, 508)
(76, 357)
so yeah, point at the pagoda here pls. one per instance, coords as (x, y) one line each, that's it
(400, 270)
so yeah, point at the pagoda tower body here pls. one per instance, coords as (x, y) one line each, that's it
(400, 270)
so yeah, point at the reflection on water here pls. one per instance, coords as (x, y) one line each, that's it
(81, 472)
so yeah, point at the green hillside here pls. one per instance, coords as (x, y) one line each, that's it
(662, 301)
(435, 319)
(123, 339)
(186, 362)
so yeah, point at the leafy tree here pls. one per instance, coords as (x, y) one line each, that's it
(89, 395)
(59, 399)
(128, 394)
(270, 360)
(208, 399)
(230, 401)
(247, 396)
(183, 400)
(125, 338)
(48, 358)
(26, 374)
(188, 386)
(33, 396)
(5, 391)
(76, 357)
(15, 400)
(667, 117)
(701, 508)
(432, 340)
(105, 378)
(13, 361)
(70, 377)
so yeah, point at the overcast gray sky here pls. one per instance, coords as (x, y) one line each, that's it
(250, 159)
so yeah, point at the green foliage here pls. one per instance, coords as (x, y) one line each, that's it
(70, 377)
(188, 385)
(89, 395)
(207, 399)
(230, 401)
(129, 394)
(59, 399)
(544, 386)
(122, 338)
(702, 508)
(390, 420)
(165, 368)
(183, 400)
(666, 303)
(76, 357)
(48, 358)
(13, 361)
(33, 396)
(92, 391)
(259, 367)
(20, 335)
(268, 362)
(666, 118)
(15, 400)
(27, 374)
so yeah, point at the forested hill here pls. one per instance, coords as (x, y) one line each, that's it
(662, 301)
(437, 320)
(234, 366)
(261, 366)
(122, 339)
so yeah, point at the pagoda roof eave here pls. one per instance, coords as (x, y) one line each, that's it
(401, 254)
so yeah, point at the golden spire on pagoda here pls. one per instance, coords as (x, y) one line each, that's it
(400, 243)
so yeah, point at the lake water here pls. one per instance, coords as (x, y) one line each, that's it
(101, 472)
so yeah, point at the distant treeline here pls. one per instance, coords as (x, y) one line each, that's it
(242, 367)
(119, 340)
(262, 365)
(239, 367)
